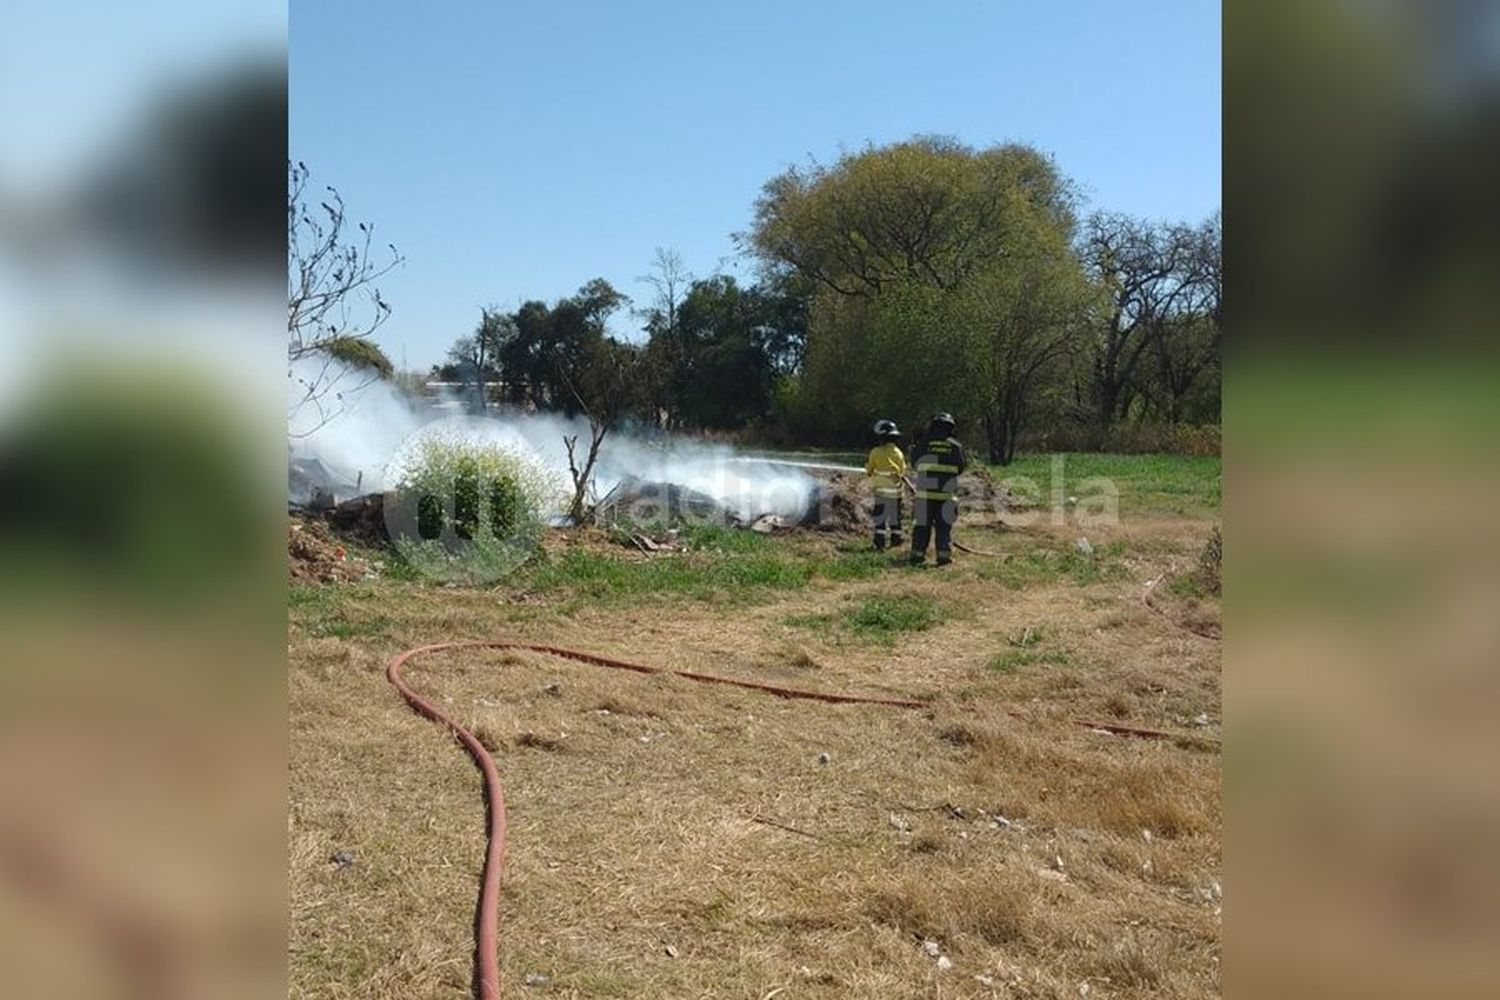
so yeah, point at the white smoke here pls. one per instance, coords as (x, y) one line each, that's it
(361, 435)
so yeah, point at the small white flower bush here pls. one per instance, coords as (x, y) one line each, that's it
(467, 510)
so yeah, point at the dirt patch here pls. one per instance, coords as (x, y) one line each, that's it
(314, 555)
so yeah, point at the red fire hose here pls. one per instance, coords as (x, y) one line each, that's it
(487, 917)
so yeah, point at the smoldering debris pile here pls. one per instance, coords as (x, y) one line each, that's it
(842, 502)
(839, 504)
(361, 519)
(643, 502)
(314, 555)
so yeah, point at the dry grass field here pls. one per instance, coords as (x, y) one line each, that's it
(676, 840)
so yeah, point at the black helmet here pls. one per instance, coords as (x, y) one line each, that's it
(887, 429)
(942, 423)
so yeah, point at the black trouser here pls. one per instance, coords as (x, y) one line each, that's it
(886, 519)
(933, 516)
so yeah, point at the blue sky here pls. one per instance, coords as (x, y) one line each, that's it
(516, 150)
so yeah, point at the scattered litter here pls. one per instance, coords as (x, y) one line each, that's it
(1085, 547)
(984, 980)
(899, 823)
(554, 689)
(823, 758)
(769, 523)
(1083, 989)
(535, 979)
(944, 963)
(671, 951)
(314, 556)
(1202, 720)
(1146, 835)
(342, 858)
(931, 948)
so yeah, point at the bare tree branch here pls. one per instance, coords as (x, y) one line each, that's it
(331, 290)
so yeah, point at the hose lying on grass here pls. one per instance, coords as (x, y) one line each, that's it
(960, 546)
(487, 914)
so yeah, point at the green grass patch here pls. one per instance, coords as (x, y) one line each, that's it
(891, 614)
(1045, 566)
(331, 611)
(611, 577)
(876, 618)
(732, 566)
(1180, 484)
(721, 539)
(851, 565)
(810, 621)
(341, 626)
(310, 599)
(1012, 660)
(1187, 585)
(1026, 650)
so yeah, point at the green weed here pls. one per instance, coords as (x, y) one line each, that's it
(1011, 660)
(890, 614)
(1186, 585)
(1044, 566)
(878, 618)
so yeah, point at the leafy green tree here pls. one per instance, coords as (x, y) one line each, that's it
(715, 348)
(359, 354)
(727, 367)
(945, 278)
(930, 210)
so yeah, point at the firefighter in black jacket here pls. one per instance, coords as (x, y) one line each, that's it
(938, 459)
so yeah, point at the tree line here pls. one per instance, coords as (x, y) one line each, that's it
(900, 279)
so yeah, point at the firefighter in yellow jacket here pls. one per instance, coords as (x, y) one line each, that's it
(886, 467)
(938, 459)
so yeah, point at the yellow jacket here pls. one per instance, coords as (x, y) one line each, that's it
(885, 467)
